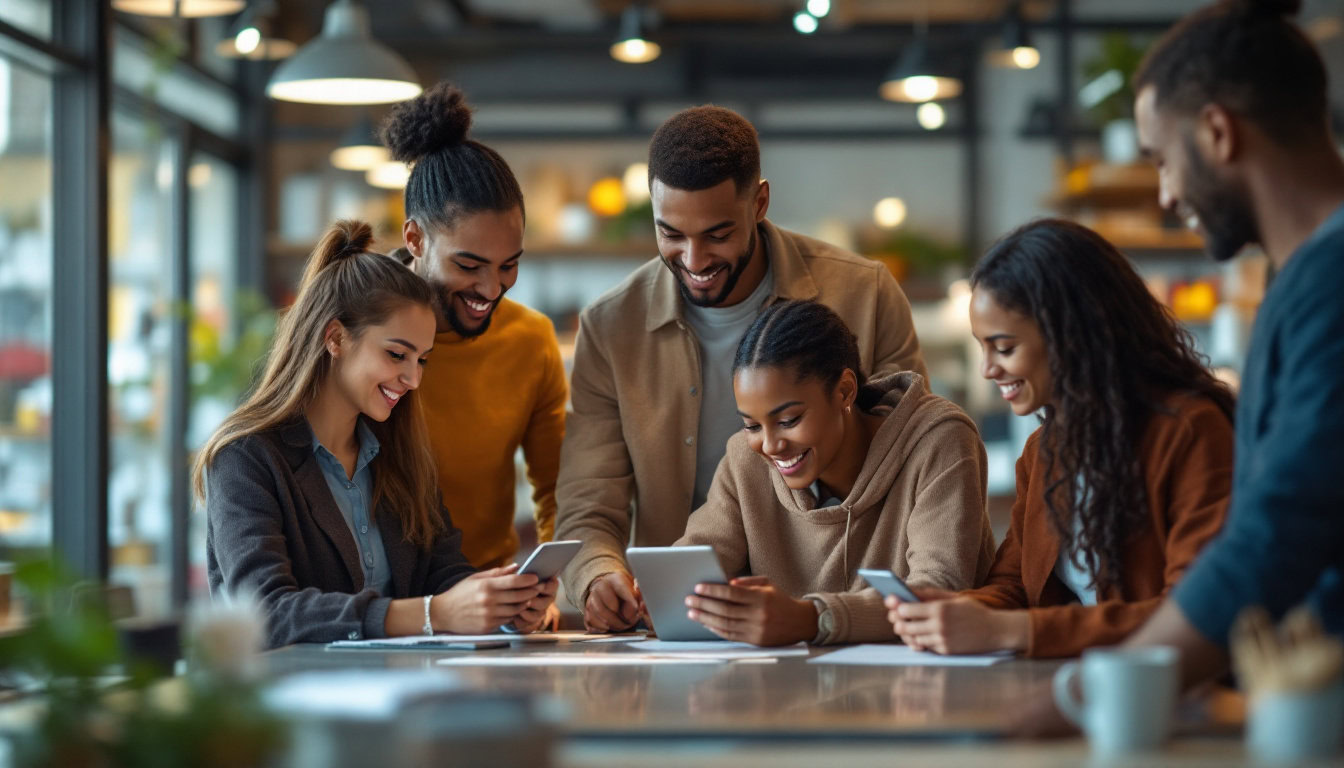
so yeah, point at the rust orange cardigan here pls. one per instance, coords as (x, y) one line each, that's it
(1186, 458)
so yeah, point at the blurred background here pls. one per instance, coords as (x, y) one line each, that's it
(913, 132)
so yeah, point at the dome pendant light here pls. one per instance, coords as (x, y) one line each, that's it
(344, 65)
(1015, 50)
(632, 46)
(912, 79)
(182, 9)
(360, 150)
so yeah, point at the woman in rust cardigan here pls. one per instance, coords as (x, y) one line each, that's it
(1129, 474)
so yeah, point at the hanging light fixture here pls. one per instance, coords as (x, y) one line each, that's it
(251, 37)
(632, 45)
(183, 9)
(912, 79)
(1015, 50)
(360, 149)
(389, 175)
(344, 65)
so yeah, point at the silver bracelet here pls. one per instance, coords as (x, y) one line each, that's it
(429, 628)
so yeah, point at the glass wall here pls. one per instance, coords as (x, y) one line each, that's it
(25, 308)
(218, 342)
(140, 217)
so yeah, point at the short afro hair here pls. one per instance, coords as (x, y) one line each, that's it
(701, 147)
(1245, 56)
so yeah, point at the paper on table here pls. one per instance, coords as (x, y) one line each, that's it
(363, 694)
(432, 641)
(573, 660)
(893, 655)
(719, 649)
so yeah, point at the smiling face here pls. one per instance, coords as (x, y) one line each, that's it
(469, 267)
(371, 372)
(1016, 358)
(1215, 204)
(797, 424)
(707, 238)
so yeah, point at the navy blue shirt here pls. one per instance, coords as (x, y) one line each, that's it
(1283, 543)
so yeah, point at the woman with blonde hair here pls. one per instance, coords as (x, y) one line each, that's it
(320, 491)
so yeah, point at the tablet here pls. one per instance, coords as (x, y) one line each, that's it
(888, 584)
(547, 560)
(667, 576)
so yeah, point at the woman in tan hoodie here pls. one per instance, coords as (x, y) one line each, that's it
(828, 475)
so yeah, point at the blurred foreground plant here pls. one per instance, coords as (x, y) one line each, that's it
(101, 708)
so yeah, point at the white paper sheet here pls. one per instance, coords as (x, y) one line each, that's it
(365, 694)
(893, 655)
(570, 660)
(717, 649)
(433, 641)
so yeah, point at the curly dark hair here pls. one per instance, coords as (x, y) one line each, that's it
(451, 175)
(702, 147)
(1115, 354)
(1246, 56)
(811, 340)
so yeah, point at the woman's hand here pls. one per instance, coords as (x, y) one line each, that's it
(752, 610)
(944, 622)
(537, 613)
(484, 601)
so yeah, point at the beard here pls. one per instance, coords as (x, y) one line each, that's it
(447, 310)
(1223, 207)
(729, 284)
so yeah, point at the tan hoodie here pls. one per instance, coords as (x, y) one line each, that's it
(917, 508)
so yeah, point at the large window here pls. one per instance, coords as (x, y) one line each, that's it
(140, 313)
(221, 349)
(25, 308)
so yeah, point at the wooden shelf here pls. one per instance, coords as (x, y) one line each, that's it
(1107, 186)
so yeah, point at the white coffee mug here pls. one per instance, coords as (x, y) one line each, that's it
(1128, 696)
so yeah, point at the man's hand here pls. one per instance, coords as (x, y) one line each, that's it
(482, 602)
(613, 604)
(945, 623)
(752, 610)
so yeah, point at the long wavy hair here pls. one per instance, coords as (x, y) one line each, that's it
(343, 281)
(1115, 354)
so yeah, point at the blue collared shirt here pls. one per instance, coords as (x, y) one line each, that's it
(353, 496)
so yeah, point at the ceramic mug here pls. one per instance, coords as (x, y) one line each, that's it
(1128, 696)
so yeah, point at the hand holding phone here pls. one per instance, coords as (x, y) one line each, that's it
(888, 584)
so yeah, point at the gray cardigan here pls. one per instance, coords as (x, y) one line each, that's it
(274, 530)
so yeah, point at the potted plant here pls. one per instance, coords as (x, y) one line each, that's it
(1109, 95)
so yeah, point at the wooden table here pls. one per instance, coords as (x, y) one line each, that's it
(784, 713)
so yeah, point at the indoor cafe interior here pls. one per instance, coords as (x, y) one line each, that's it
(891, 382)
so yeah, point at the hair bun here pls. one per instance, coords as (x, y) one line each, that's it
(1269, 7)
(436, 119)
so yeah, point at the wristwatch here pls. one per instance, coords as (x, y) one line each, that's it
(429, 628)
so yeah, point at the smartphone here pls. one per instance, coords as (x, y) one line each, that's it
(888, 584)
(547, 560)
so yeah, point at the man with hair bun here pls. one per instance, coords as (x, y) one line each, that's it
(496, 382)
(652, 385)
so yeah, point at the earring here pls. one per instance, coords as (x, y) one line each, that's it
(846, 409)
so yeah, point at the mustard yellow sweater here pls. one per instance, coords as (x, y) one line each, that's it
(483, 398)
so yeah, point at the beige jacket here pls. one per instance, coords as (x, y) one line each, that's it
(917, 508)
(627, 465)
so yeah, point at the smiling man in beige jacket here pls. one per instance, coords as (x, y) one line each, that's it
(652, 400)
